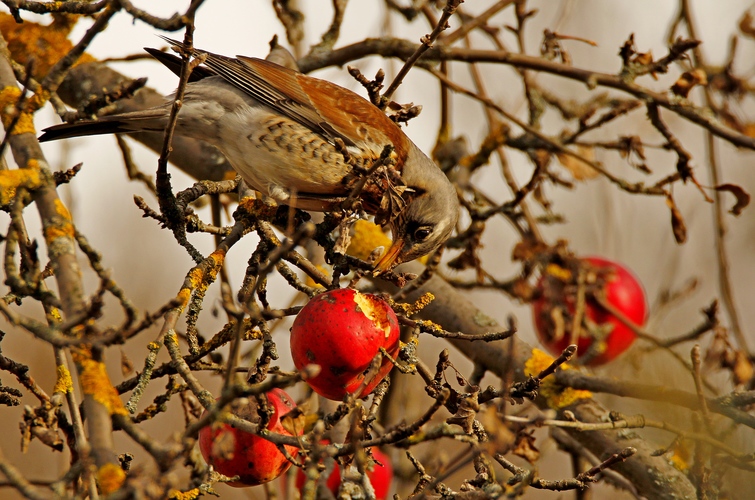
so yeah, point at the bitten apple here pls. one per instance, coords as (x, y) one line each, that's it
(342, 331)
(554, 309)
(236, 453)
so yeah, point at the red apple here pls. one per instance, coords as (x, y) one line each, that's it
(236, 453)
(342, 331)
(380, 476)
(557, 297)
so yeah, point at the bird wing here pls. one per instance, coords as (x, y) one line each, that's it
(336, 113)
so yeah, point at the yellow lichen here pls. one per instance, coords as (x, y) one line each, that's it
(556, 397)
(110, 478)
(95, 382)
(183, 297)
(46, 45)
(367, 237)
(55, 314)
(184, 495)
(63, 383)
(558, 272)
(61, 210)
(12, 180)
(24, 122)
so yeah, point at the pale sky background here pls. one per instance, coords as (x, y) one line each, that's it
(601, 220)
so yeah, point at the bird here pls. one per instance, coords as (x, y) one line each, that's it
(302, 141)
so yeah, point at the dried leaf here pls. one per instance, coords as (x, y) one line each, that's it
(746, 26)
(466, 412)
(743, 198)
(127, 367)
(295, 422)
(525, 447)
(527, 250)
(677, 221)
(500, 437)
(688, 80)
(579, 169)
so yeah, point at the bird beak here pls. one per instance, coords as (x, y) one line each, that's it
(388, 260)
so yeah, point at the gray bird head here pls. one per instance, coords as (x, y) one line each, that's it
(428, 219)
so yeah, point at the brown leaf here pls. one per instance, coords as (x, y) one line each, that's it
(746, 26)
(688, 80)
(295, 421)
(579, 169)
(500, 437)
(127, 367)
(743, 198)
(525, 447)
(677, 221)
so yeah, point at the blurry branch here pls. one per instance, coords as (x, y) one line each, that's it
(724, 280)
(427, 42)
(639, 422)
(648, 392)
(402, 49)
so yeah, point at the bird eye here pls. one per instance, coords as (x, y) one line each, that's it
(422, 234)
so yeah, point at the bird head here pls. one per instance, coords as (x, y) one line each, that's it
(428, 219)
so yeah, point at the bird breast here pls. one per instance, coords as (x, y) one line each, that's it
(272, 152)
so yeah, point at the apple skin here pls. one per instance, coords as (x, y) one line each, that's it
(380, 476)
(623, 290)
(342, 331)
(236, 453)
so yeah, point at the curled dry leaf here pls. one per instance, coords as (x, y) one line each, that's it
(742, 196)
(525, 447)
(746, 26)
(677, 221)
(500, 437)
(688, 80)
(579, 169)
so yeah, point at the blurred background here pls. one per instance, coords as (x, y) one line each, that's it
(598, 218)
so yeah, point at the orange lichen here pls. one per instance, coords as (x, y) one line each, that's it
(110, 477)
(63, 383)
(12, 180)
(556, 397)
(95, 382)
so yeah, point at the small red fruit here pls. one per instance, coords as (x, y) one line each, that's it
(342, 331)
(554, 308)
(380, 476)
(236, 453)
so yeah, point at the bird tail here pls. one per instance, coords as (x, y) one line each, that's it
(148, 120)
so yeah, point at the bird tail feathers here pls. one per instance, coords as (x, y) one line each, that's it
(150, 120)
